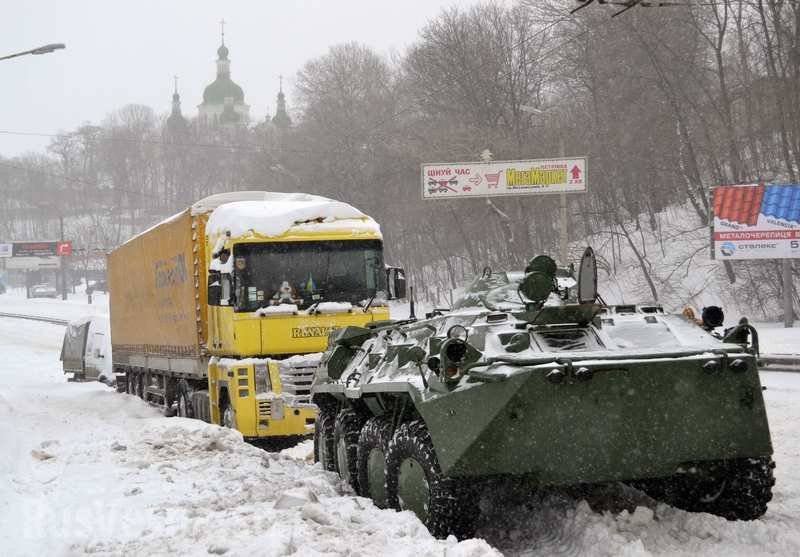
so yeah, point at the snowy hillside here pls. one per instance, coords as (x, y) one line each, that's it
(676, 257)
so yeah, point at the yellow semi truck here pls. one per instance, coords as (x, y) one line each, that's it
(218, 312)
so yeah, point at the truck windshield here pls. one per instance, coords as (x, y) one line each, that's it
(304, 273)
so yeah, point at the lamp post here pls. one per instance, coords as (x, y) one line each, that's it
(46, 49)
(563, 231)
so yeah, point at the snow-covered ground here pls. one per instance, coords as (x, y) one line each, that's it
(84, 469)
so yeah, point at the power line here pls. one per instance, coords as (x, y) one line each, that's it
(66, 178)
(629, 4)
(246, 147)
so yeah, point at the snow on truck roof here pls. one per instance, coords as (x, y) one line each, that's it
(272, 214)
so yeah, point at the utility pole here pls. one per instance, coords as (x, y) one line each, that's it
(62, 260)
(788, 310)
(563, 243)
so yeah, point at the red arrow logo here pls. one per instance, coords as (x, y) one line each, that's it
(576, 172)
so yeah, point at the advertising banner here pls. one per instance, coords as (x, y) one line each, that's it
(756, 221)
(35, 249)
(33, 263)
(6, 250)
(500, 178)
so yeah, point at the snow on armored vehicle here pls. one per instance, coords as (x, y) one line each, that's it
(528, 380)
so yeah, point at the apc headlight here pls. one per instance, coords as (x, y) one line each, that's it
(458, 332)
(263, 384)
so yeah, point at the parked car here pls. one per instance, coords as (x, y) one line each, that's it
(97, 286)
(43, 291)
(86, 350)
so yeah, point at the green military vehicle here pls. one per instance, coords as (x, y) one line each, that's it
(529, 380)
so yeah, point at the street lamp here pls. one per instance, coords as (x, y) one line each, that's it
(563, 233)
(46, 49)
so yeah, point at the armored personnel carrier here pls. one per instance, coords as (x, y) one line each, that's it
(529, 380)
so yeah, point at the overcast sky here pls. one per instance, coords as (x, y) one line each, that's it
(126, 51)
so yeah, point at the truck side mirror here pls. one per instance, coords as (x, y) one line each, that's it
(214, 288)
(396, 281)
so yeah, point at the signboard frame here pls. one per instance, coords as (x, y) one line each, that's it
(747, 224)
(490, 178)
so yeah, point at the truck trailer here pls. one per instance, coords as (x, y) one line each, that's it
(220, 311)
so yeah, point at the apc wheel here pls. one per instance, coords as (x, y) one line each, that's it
(323, 440)
(346, 431)
(414, 482)
(737, 489)
(373, 443)
(185, 408)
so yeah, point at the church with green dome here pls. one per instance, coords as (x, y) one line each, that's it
(223, 100)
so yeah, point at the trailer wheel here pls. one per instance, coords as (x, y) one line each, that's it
(323, 439)
(130, 382)
(371, 462)
(346, 431)
(140, 385)
(185, 407)
(414, 482)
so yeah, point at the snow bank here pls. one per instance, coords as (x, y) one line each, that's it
(276, 213)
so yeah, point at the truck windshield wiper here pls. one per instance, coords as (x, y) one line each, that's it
(369, 303)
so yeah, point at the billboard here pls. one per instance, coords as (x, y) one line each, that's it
(41, 249)
(756, 221)
(500, 178)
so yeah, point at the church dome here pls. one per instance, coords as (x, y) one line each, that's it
(222, 52)
(220, 89)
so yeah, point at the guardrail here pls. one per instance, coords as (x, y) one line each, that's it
(789, 362)
(43, 319)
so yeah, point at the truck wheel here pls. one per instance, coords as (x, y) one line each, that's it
(737, 489)
(229, 417)
(414, 482)
(345, 438)
(323, 440)
(371, 460)
(185, 408)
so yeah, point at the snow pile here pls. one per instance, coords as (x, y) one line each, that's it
(282, 309)
(276, 213)
(75, 307)
(333, 307)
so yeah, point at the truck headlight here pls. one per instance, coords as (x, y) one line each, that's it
(263, 384)
(278, 409)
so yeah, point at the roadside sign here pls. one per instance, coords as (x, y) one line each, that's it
(756, 221)
(6, 250)
(33, 263)
(63, 248)
(504, 178)
(35, 249)
(38, 249)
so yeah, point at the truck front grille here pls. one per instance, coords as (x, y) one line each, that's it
(297, 381)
